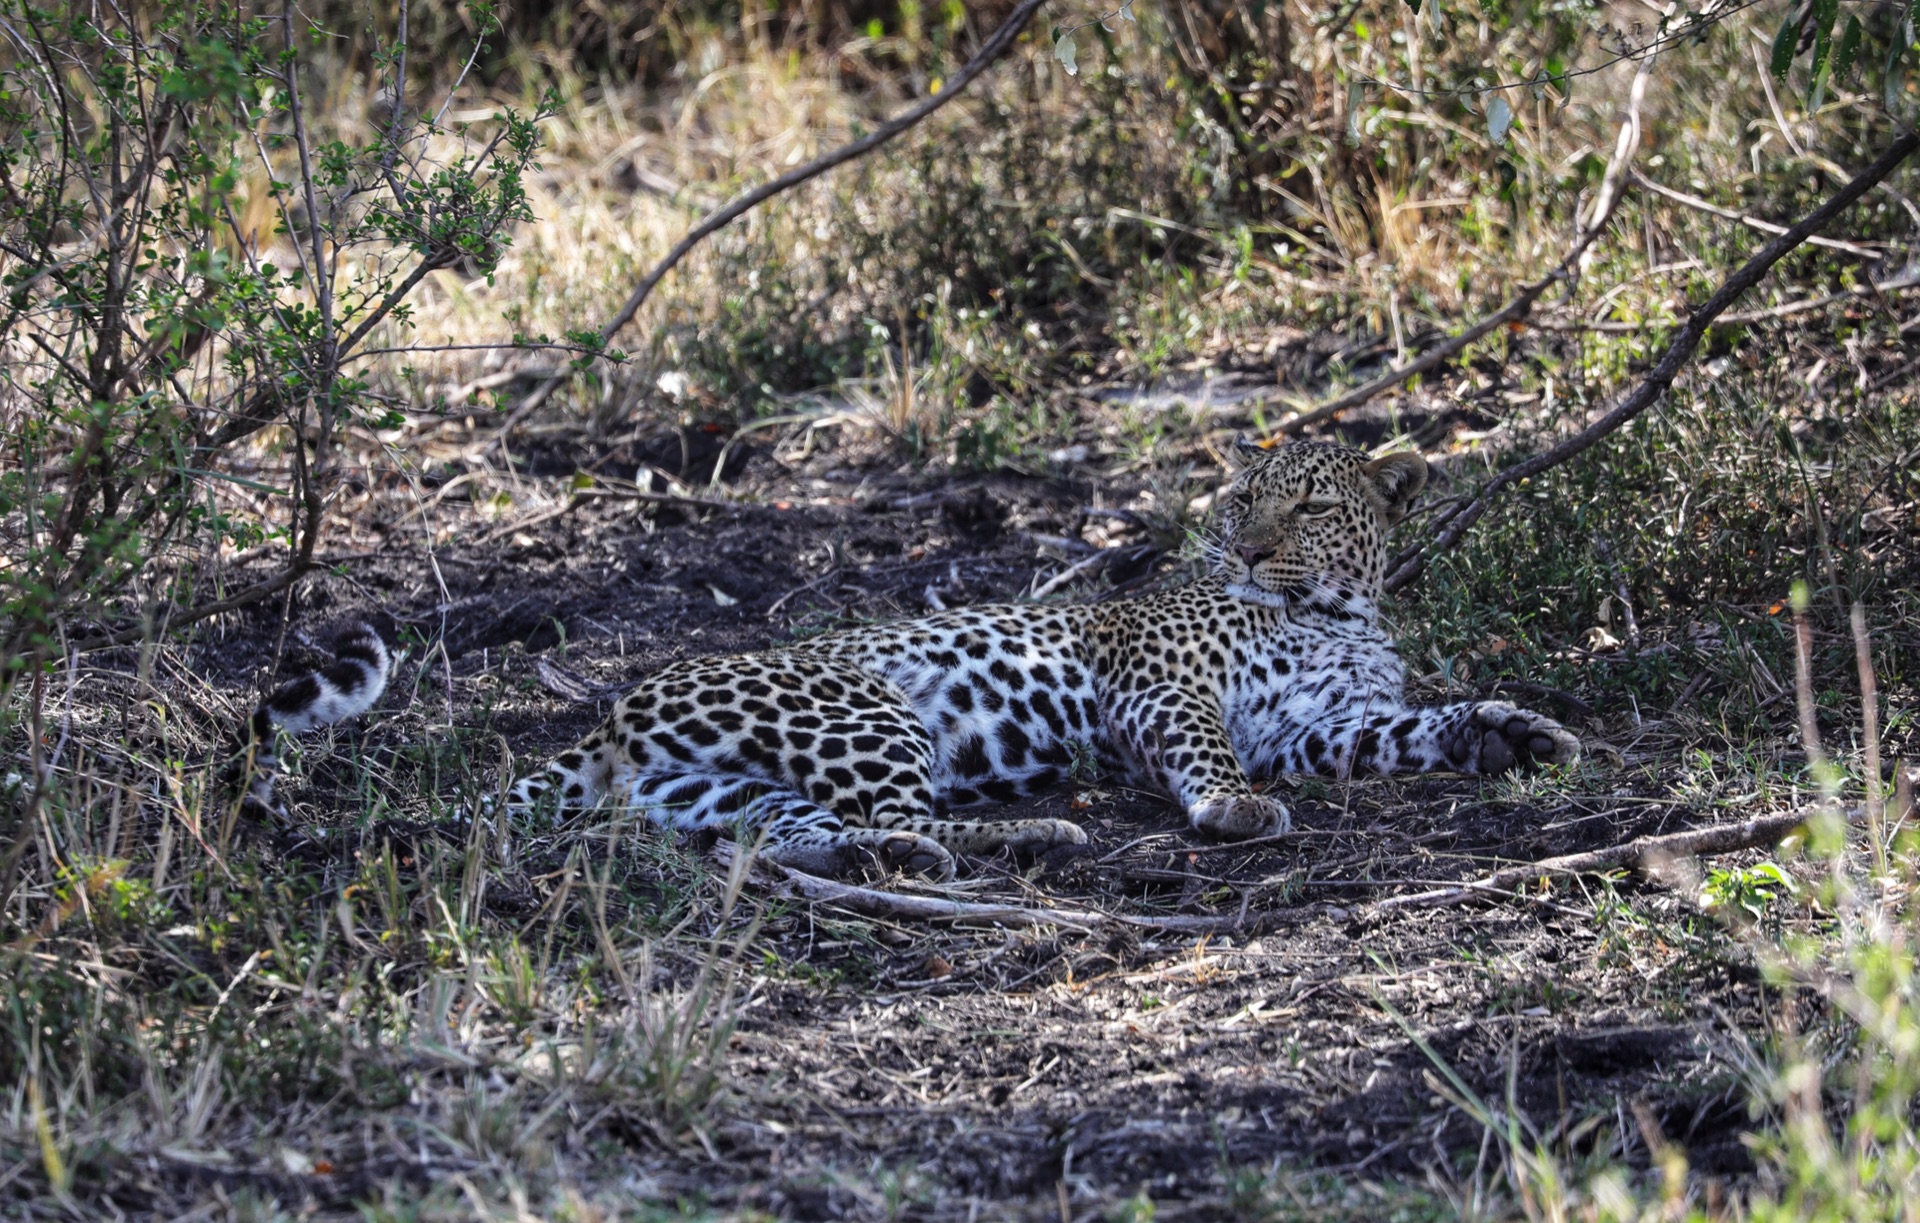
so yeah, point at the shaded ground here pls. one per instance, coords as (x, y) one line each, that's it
(889, 1069)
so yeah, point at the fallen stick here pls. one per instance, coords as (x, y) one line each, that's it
(876, 903)
(1639, 853)
(1077, 569)
(911, 907)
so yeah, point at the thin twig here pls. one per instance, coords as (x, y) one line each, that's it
(1766, 227)
(1669, 36)
(516, 345)
(1625, 144)
(473, 57)
(1077, 569)
(1452, 527)
(396, 121)
(296, 569)
(1870, 735)
(1899, 284)
(1773, 102)
(322, 274)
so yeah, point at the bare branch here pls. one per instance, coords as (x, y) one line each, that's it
(1639, 853)
(874, 902)
(323, 277)
(1451, 527)
(1766, 227)
(1606, 203)
(296, 569)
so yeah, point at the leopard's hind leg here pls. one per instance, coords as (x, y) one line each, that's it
(844, 740)
(578, 779)
(792, 829)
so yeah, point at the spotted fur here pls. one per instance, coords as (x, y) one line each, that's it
(345, 688)
(852, 749)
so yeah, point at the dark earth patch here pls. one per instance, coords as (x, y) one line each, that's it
(999, 1069)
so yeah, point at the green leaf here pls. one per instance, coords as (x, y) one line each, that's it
(1064, 51)
(1821, 70)
(1499, 119)
(1894, 79)
(1783, 46)
(1849, 47)
(1824, 11)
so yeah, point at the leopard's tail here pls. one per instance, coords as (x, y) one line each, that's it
(348, 686)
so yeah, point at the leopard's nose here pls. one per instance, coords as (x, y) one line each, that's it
(1252, 555)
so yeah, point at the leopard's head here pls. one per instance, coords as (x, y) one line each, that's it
(1305, 524)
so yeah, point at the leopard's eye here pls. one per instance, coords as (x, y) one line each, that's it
(1317, 509)
(1243, 500)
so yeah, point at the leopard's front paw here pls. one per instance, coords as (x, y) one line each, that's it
(1236, 817)
(1500, 737)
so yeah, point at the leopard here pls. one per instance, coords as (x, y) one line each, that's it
(863, 749)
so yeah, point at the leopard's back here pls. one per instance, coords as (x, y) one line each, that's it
(1009, 693)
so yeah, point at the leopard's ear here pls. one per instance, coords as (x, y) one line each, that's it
(1398, 478)
(1245, 452)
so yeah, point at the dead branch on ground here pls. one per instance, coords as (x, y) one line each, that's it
(1640, 853)
(910, 907)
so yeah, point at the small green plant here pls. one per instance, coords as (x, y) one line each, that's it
(104, 894)
(1137, 1209)
(195, 261)
(1745, 895)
